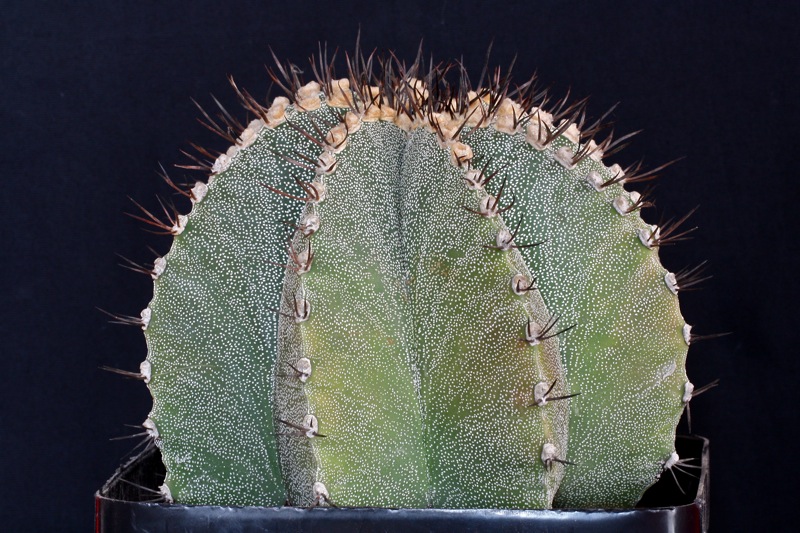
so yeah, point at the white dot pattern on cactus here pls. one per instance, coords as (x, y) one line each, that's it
(431, 378)
(600, 262)
(214, 284)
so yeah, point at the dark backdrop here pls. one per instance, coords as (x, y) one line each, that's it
(94, 95)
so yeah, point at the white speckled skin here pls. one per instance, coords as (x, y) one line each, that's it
(362, 387)
(212, 336)
(421, 380)
(477, 373)
(593, 271)
(421, 383)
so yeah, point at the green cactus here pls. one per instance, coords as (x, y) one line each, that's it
(397, 292)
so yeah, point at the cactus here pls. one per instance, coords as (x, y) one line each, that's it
(395, 291)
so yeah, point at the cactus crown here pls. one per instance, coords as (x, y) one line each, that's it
(394, 290)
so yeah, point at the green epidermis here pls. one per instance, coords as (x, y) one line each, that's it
(626, 353)
(421, 382)
(212, 336)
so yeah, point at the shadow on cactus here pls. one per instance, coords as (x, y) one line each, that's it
(398, 290)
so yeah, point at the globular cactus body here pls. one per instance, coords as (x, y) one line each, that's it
(460, 268)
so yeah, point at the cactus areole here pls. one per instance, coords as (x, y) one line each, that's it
(398, 291)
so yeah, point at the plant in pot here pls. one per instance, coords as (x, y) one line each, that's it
(401, 289)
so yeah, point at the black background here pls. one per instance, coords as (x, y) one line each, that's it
(94, 95)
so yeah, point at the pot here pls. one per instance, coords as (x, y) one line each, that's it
(675, 504)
